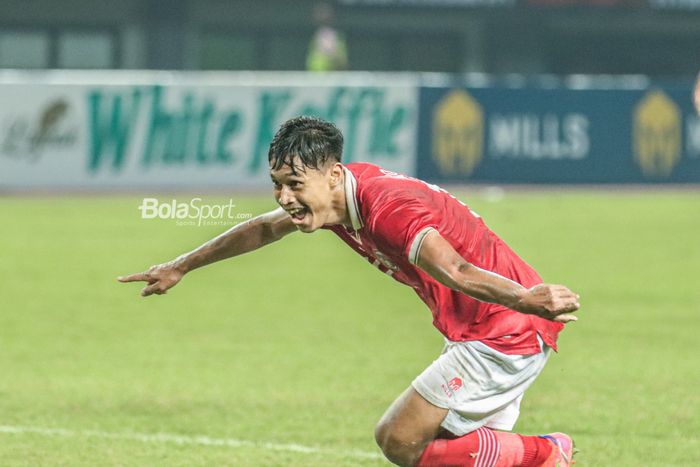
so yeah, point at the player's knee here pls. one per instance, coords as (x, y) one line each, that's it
(381, 433)
(397, 448)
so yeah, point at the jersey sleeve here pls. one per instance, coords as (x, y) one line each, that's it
(400, 224)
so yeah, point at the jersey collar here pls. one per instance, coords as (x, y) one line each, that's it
(351, 200)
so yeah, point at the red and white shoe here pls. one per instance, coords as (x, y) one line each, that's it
(563, 452)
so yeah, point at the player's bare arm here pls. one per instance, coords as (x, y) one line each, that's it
(439, 259)
(242, 238)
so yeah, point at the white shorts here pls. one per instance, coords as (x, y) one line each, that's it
(479, 386)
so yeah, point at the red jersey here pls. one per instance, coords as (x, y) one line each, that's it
(391, 213)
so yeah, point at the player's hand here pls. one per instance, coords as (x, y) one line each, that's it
(552, 302)
(160, 278)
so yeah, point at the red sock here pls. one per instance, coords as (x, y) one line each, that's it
(522, 451)
(486, 448)
(479, 448)
(537, 450)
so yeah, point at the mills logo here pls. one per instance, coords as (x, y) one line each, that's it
(458, 134)
(657, 134)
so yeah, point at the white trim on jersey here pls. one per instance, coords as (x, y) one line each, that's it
(351, 200)
(417, 242)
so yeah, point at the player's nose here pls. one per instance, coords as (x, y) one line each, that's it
(286, 196)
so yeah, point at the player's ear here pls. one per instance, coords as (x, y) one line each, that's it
(336, 174)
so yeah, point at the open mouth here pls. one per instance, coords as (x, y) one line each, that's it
(298, 214)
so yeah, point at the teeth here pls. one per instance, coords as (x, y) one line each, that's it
(296, 211)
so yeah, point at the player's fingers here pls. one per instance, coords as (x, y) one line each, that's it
(150, 290)
(567, 295)
(565, 318)
(156, 288)
(565, 300)
(569, 306)
(563, 307)
(141, 276)
(563, 290)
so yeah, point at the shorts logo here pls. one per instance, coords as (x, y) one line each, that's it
(455, 384)
(452, 385)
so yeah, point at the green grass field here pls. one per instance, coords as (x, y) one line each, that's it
(304, 344)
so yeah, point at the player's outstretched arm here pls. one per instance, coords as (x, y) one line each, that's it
(242, 238)
(444, 264)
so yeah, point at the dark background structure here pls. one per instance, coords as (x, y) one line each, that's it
(660, 38)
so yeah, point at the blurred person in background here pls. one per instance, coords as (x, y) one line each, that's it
(327, 50)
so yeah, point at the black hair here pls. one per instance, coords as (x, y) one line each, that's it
(312, 140)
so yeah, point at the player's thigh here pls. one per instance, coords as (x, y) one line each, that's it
(478, 385)
(410, 419)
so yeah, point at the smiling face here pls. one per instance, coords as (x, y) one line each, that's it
(308, 178)
(312, 197)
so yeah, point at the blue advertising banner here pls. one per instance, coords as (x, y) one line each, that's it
(559, 135)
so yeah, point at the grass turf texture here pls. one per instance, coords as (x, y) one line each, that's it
(304, 342)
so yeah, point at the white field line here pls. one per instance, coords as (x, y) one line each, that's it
(182, 439)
